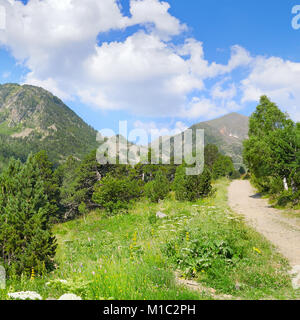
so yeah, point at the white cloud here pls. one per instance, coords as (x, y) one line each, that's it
(277, 78)
(155, 12)
(218, 92)
(155, 130)
(146, 74)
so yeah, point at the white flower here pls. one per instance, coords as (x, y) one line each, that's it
(28, 295)
(56, 281)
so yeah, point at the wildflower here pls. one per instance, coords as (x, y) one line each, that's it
(187, 236)
(28, 295)
(32, 274)
(257, 250)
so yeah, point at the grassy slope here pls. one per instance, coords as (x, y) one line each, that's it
(121, 257)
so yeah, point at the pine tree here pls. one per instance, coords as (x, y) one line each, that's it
(159, 188)
(50, 182)
(26, 240)
(78, 181)
(192, 187)
(115, 194)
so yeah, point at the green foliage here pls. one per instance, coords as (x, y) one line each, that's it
(157, 189)
(65, 175)
(272, 150)
(201, 254)
(26, 240)
(50, 182)
(121, 257)
(235, 175)
(115, 195)
(211, 154)
(191, 187)
(223, 167)
(77, 182)
(219, 164)
(242, 171)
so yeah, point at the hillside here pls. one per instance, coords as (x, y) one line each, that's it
(228, 133)
(32, 119)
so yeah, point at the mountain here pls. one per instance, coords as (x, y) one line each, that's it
(32, 119)
(227, 132)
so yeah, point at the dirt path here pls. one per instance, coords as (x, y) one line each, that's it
(282, 231)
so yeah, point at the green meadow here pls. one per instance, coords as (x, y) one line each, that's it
(135, 256)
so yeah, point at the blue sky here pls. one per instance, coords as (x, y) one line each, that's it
(158, 64)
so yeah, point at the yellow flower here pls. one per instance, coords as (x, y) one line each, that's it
(32, 274)
(187, 236)
(257, 250)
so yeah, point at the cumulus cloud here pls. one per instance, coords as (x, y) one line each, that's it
(156, 130)
(145, 74)
(163, 129)
(153, 12)
(276, 78)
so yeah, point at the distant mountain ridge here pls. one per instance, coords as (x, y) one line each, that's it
(228, 133)
(32, 119)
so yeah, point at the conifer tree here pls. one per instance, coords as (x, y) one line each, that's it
(159, 188)
(26, 241)
(192, 187)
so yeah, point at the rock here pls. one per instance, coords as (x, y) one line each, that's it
(237, 286)
(69, 296)
(51, 299)
(295, 272)
(25, 295)
(160, 215)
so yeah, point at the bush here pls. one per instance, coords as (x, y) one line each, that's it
(157, 189)
(235, 175)
(192, 188)
(201, 252)
(115, 195)
(26, 241)
(286, 197)
(223, 167)
(242, 170)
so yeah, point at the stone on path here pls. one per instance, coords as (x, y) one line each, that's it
(296, 277)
